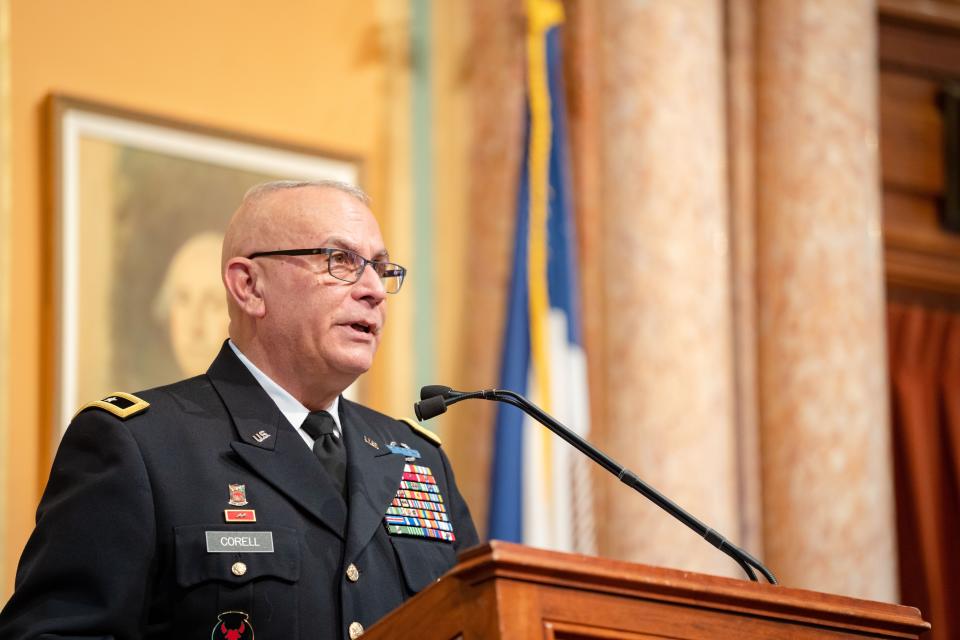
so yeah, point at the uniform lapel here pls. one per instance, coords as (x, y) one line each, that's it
(270, 446)
(373, 476)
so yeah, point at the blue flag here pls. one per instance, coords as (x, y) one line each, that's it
(541, 492)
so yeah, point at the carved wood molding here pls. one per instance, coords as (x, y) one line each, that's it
(939, 13)
(919, 52)
(914, 270)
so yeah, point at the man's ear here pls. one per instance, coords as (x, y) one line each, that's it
(242, 278)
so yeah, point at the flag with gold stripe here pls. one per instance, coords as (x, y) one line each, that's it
(541, 493)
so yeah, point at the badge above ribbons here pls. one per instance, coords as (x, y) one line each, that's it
(402, 449)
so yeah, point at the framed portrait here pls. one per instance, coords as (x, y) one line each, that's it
(140, 206)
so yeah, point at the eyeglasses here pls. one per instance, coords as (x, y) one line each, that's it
(347, 265)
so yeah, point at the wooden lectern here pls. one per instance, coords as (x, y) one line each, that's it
(504, 591)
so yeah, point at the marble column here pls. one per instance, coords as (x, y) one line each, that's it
(741, 142)
(667, 308)
(494, 78)
(827, 481)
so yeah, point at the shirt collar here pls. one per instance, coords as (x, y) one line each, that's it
(290, 407)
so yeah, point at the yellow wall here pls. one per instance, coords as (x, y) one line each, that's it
(5, 275)
(304, 71)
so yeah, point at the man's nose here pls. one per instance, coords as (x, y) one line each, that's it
(370, 284)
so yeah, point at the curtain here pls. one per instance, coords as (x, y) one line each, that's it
(924, 348)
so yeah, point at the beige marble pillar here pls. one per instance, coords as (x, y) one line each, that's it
(741, 142)
(494, 75)
(667, 308)
(583, 41)
(828, 501)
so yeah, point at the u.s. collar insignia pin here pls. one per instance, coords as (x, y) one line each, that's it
(238, 495)
(370, 441)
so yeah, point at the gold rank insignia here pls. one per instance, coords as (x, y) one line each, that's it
(422, 431)
(123, 405)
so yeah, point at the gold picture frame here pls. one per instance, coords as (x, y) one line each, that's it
(140, 203)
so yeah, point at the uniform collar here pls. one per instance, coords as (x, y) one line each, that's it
(291, 408)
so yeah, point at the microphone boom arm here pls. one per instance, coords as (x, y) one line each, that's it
(746, 561)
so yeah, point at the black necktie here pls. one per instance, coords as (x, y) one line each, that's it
(328, 447)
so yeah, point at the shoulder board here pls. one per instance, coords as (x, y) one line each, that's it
(422, 431)
(123, 405)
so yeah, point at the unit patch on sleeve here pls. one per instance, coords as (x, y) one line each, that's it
(418, 509)
(123, 405)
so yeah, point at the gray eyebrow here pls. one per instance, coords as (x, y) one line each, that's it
(340, 243)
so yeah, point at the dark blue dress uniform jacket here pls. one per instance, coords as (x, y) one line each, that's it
(119, 550)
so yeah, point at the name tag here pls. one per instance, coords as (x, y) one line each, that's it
(239, 541)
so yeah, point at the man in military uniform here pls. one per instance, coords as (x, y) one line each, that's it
(252, 500)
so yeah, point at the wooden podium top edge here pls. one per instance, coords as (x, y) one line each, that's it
(498, 559)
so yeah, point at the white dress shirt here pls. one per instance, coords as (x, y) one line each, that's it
(289, 406)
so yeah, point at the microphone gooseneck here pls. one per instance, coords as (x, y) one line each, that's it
(436, 398)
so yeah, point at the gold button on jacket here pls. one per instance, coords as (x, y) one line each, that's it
(356, 630)
(353, 574)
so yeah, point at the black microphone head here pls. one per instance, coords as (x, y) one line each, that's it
(429, 408)
(433, 390)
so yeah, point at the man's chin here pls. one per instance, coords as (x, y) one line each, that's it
(353, 367)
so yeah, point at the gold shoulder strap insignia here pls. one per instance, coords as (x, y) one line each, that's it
(123, 405)
(423, 431)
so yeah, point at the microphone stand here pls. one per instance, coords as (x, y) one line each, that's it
(429, 407)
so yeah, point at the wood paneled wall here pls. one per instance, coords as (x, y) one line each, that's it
(919, 55)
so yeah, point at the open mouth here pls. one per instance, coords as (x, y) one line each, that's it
(362, 327)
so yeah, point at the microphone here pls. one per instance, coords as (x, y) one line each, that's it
(433, 390)
(434, 400)
(430, 408)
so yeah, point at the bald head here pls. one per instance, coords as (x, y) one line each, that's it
(310, 331)
(258, 215)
